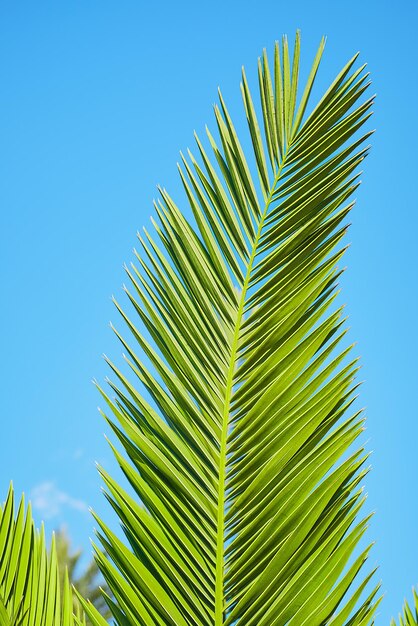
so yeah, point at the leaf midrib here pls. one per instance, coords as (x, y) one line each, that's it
(220, 552)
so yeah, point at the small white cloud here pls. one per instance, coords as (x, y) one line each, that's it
(49, 500)
(78, 453)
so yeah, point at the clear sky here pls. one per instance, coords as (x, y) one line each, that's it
(97, 99)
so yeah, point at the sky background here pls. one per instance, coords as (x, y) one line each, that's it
(97, 99)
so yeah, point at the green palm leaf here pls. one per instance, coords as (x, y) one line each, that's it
(409, 615)
(247, 506)
(29, 579)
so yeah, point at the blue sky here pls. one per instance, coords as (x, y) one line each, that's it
(97, 99)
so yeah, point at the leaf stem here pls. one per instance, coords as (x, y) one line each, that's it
(220, 548)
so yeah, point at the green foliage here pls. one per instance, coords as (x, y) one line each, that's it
(239, 437)
(409, 616)
(30, 592)
(87, 580)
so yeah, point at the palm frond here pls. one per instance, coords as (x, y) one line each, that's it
(30, 592)
(248, 505)
(409, 616)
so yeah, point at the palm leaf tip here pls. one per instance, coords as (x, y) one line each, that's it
(409, 615)
(244, 505)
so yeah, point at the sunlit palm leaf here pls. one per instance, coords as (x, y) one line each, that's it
(409, 615)
(29, 582)
(249, 505)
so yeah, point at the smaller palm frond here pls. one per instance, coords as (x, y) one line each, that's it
(409, 616)
(30, 592)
